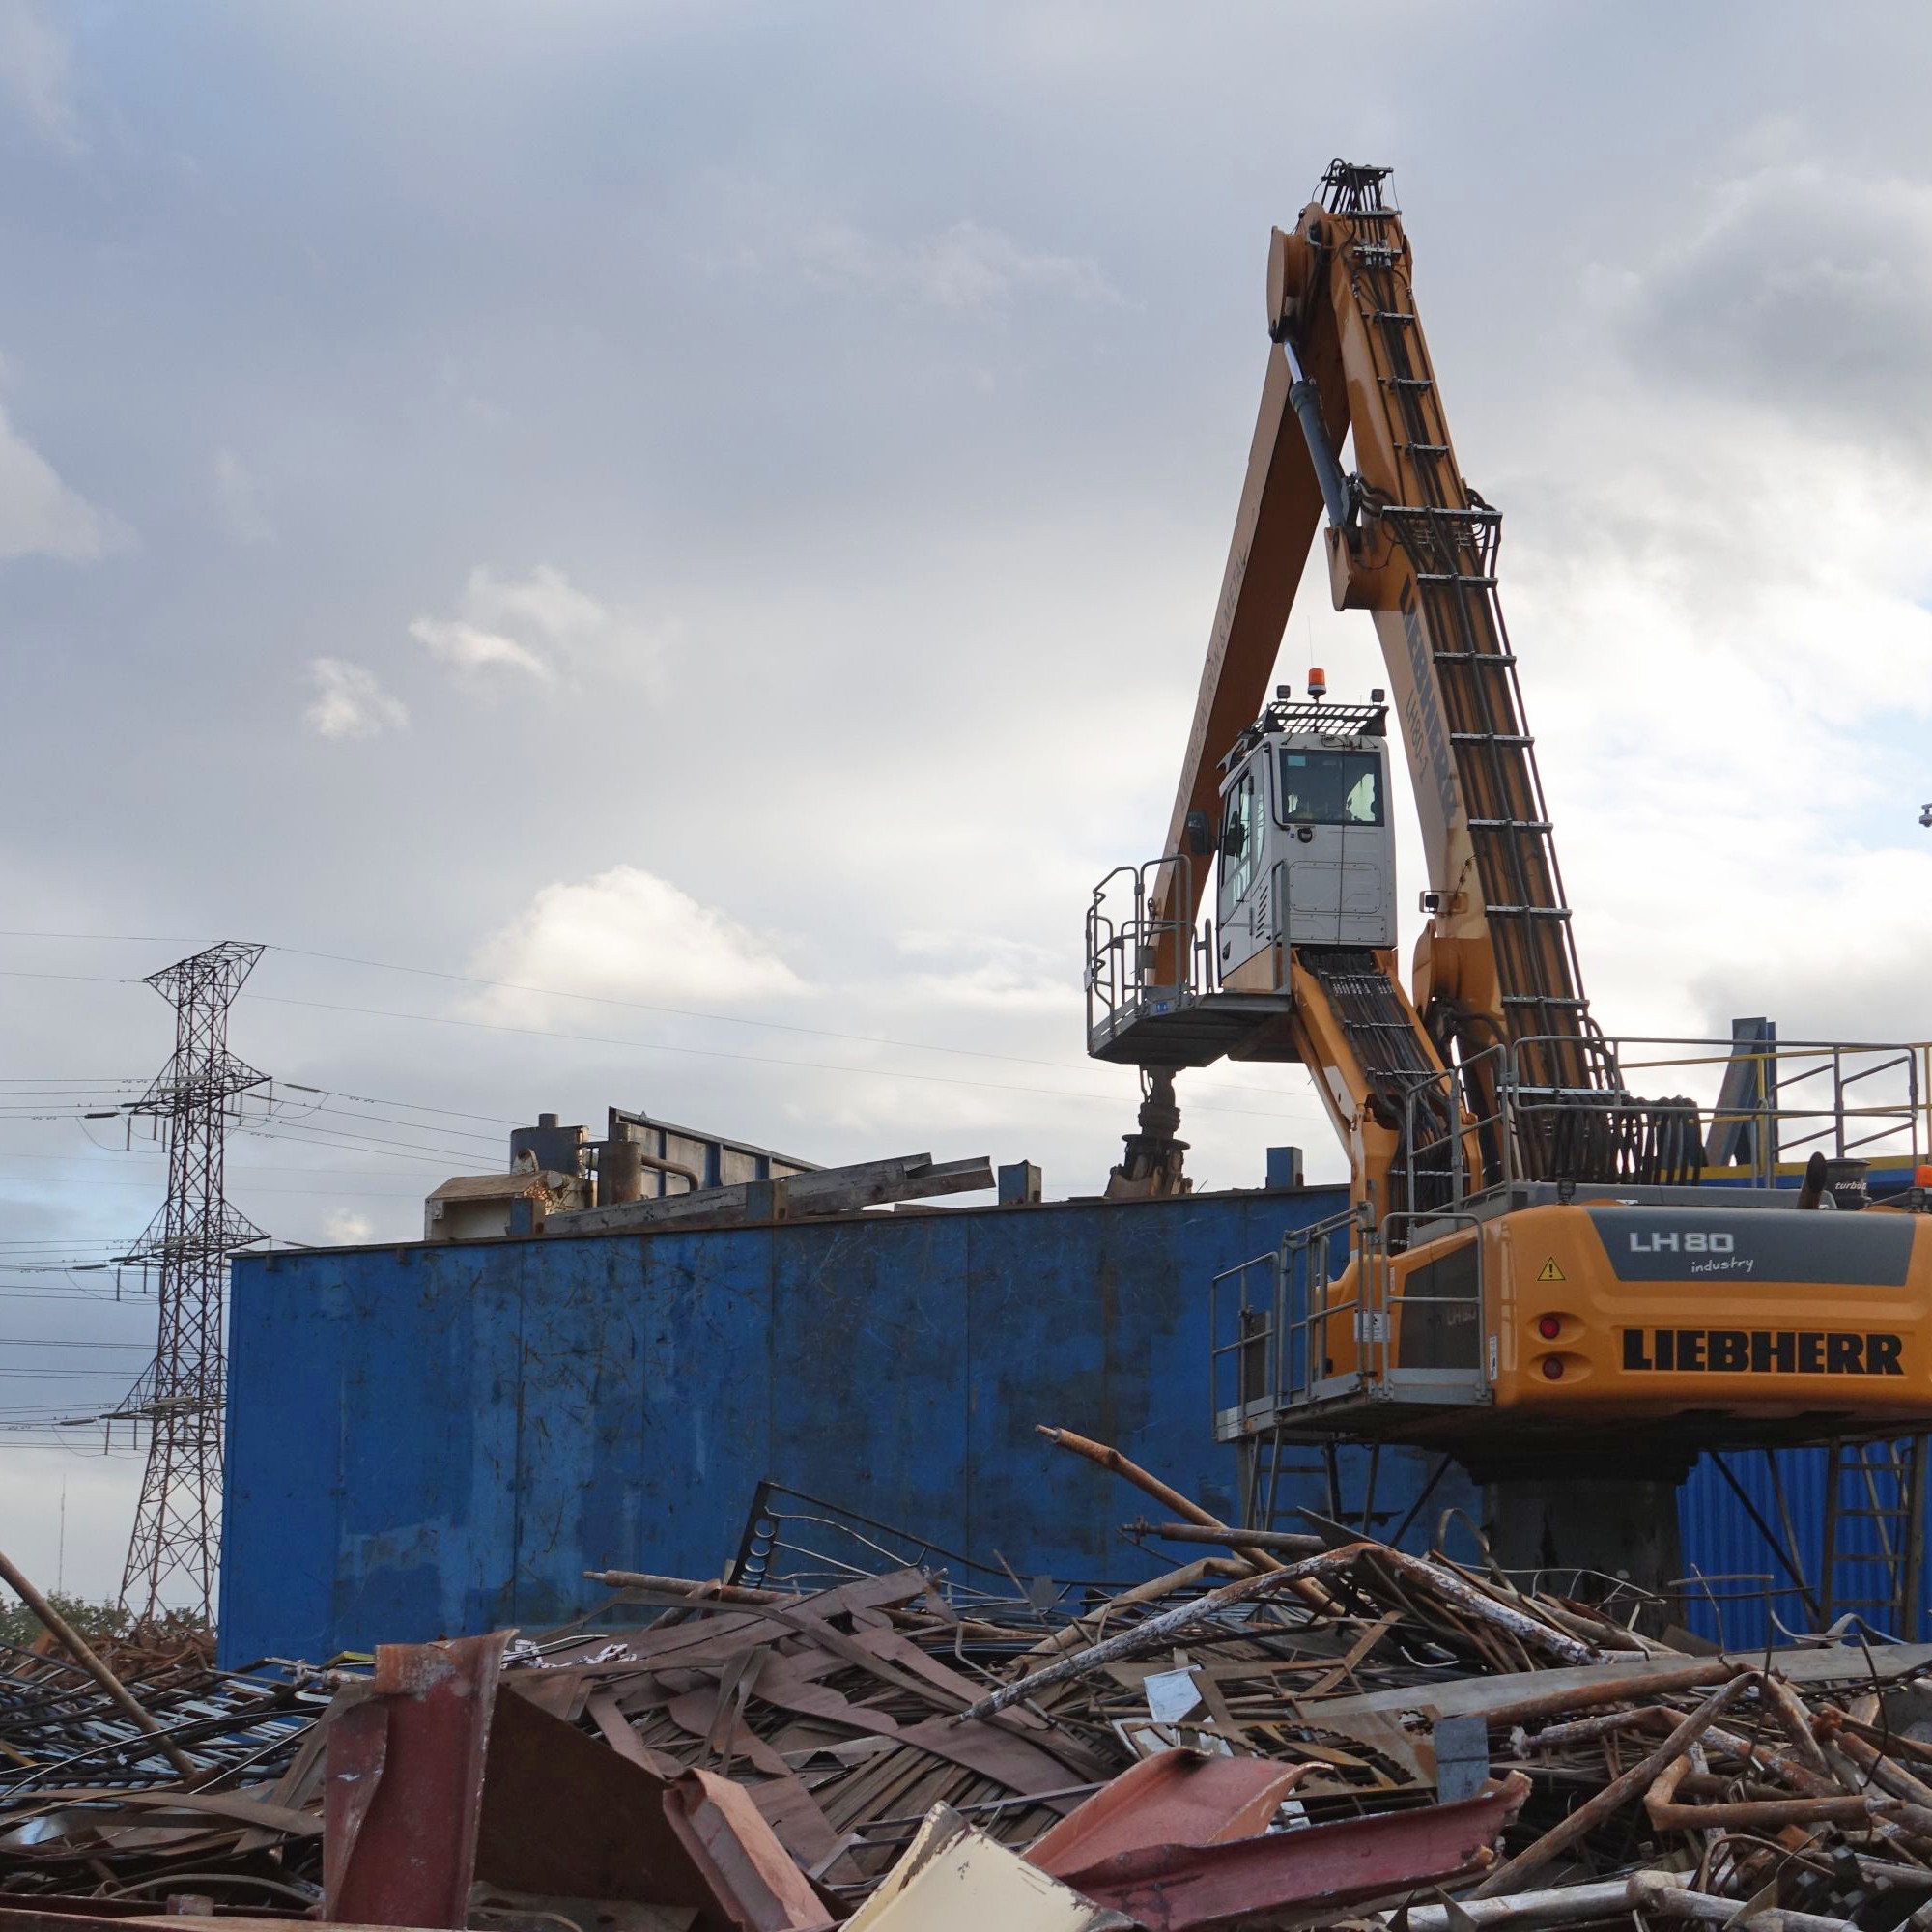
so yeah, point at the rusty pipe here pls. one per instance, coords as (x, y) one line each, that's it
(1111, 1459)
(1666, 1892)
(1290, 1542)
(1752, 1815)
(1588, 1815)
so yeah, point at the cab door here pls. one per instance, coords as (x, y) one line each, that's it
(1367, 852)
(1242, 915)
(1314, 851)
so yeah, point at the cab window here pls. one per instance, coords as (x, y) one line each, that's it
(1331, 789)
(1241, 843)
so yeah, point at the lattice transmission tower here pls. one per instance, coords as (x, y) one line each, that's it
(175, 1548)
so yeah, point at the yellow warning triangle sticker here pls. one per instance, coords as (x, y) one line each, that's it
(1551, 1272)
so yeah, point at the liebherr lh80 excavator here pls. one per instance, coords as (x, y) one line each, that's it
(1543, 1272)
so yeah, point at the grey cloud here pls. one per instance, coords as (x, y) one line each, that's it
(1805, 290)
(40, 515)
(541, 625)
(349, 702)
(968, 267)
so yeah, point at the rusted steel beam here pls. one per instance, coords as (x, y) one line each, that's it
(1883, 1771)
(1261, 1880)
(1087, 1626)
(1148, 1635)
(1616, 1688)
(754, 1881)
(1786, 1764)
(1795, 1721)
(1604, 1725)
(1464, 1595)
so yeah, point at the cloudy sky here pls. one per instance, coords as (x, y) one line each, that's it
(714, 512)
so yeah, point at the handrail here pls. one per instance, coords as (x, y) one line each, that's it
(1487, 1096)
(1314, 1245)
(1123, 953)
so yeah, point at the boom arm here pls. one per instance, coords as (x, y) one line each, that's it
(1412, 543)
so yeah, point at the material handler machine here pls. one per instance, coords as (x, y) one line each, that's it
(1544, 1272)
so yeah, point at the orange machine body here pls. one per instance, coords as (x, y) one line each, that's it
(1693, 1327)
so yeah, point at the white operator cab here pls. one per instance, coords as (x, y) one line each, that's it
(1306, 851)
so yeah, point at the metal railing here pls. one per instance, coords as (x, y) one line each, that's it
(1441, 1115)
(1285, 1337)
(1139, 959)
(1244, 1304)
(1851, 1099)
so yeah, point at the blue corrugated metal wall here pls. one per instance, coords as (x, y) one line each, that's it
(1746, 1590)
(431, 1439)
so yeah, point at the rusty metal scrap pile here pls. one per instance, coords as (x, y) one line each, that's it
(1278, 1735)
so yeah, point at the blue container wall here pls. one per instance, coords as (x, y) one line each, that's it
(426, 1440)
(1743, 1594)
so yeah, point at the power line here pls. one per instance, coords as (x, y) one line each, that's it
(63, 1342)
(302, 1136)
(675, 1013)
(386, 1120)
(1288, 1103)
(611, 1000)
(334, 1192)
(112, 1374)
(112, 938)
(234, 1166)
(720, 1019)
(87, 979)
(408, 1106)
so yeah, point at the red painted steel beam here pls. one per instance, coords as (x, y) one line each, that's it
(1256, 1882)
(403, 1789)
(1177, 1798)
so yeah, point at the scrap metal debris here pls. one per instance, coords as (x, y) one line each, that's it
(1314, 1730)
